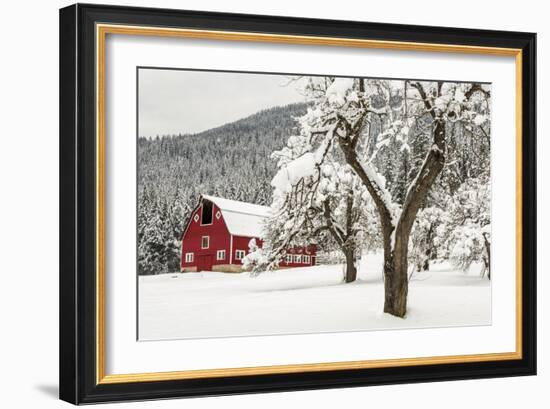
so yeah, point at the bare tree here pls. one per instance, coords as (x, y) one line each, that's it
(326, 200)
(345, 236)
(342, 117)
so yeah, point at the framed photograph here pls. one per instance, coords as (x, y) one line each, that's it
(258, 203)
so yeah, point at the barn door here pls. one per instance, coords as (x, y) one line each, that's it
(204, 263)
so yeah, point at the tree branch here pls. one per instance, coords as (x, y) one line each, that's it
(418, 190)
(476, 88)
(429, 107)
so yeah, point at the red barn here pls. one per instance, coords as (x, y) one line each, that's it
(218, 233)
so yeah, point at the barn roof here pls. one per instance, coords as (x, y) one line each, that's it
(241, 218)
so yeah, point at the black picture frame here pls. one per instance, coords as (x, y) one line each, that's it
(78, 237)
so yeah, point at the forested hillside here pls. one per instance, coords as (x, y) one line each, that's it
(232, 161)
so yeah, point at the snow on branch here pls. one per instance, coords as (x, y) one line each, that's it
(383, 194)
(302, 167)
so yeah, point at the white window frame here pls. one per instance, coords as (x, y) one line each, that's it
(306, 259)
(189, 257)
(239, 254)
(288, 258)
(298, 258)
(220, 255)
(207, 242)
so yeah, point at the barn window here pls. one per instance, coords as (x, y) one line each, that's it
(206, 212)
(288, 258)
(205, 242)
(220, 255)
(297, 258)
(306, 260)
(239, 254)
(218, 215)
(188, 257)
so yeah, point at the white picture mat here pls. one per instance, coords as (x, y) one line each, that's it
(126, 355)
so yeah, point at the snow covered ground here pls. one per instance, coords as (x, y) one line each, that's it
(304, 300)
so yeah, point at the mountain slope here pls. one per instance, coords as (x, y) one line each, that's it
(231, 161)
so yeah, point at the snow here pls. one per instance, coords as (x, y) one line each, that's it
(480, 119)
(243, 224)
(302, 167)
(336, 92)
(289, 175)
(384, 142)
(241, 218)
(256, 256)
(304, 300)
(237, 206)
(379, 184)
(441, 102)
(459, 95)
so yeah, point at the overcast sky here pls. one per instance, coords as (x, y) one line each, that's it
(179, 101)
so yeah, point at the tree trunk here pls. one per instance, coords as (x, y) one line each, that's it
(396, 246)
(351, 269)
(427, 256)
(396, 280)
(426, 265)
(396, 253)
(396, 249)
(428, 249)
(488, 251)
(346, 240)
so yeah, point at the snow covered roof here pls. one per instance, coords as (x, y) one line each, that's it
(241, 218)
